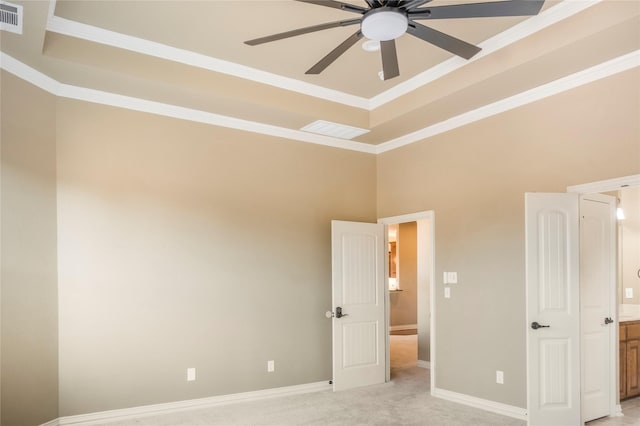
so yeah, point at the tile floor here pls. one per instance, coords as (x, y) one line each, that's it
(631, 411)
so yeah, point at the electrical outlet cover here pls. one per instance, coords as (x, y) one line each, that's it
(191, 374)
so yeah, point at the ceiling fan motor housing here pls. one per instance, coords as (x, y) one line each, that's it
(384, 23)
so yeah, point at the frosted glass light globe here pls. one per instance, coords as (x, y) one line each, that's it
(384, 25)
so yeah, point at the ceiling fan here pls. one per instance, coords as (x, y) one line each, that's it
(386, 20)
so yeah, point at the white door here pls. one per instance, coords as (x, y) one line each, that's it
(553, 319)
(359, 335)
(597, 279)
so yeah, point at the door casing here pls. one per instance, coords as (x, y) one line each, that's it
(429, 216)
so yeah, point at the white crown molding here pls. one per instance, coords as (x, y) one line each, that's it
(530, 26)
(158, 50)
(524, 29)
(26, 73)
(192, 404)
(597, 72)
(483, 404)
(606, 69)
(50, 85)
(167, 110)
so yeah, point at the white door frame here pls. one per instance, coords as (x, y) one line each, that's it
(414, 217)
(593, 188)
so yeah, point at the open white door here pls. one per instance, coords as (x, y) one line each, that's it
(359, 335)
(597, 310)
(553, 317)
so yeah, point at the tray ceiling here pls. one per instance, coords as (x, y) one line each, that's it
(190, 54)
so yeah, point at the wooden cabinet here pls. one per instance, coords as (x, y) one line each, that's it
(629, 359)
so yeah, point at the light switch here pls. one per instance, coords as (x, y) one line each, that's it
(191, 374)
(452, 278)
(447, 292)
(445, 278)
(628, 293)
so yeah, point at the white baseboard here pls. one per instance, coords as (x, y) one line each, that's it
(483, 404)
(403, 327)
(424, 364)
(618, 411)
(172, 407)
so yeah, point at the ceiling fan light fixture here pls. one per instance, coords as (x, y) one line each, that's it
(384, 24)
(371, 46)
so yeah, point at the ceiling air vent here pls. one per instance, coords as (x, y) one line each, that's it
(10, 17)
(335, 130)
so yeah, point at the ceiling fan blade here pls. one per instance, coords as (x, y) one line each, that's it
(335, 53)
(371, 3)
(411, 4)
(480, 10)
(337, 5)
(389, 59)
(442, 40)
(301, 31)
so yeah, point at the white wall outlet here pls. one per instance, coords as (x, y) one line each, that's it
(447, 292)
(452, 278)
(500, 377)
(191, 374)
(628, 293)
(271, 366)
(445, 278)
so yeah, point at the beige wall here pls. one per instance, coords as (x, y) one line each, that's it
(403, 304)
(474, 178)
(185, 245)
(29, 332)
(630, 243)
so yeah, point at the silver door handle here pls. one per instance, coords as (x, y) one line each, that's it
(536, 326)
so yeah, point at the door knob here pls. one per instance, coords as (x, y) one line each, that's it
(339, 313)
(536, 326)
(608, 320)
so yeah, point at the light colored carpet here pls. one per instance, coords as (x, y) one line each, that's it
(403, 401)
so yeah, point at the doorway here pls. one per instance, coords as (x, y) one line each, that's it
(552, 234)
(625, 302)
(402, 287)
(423, 224)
